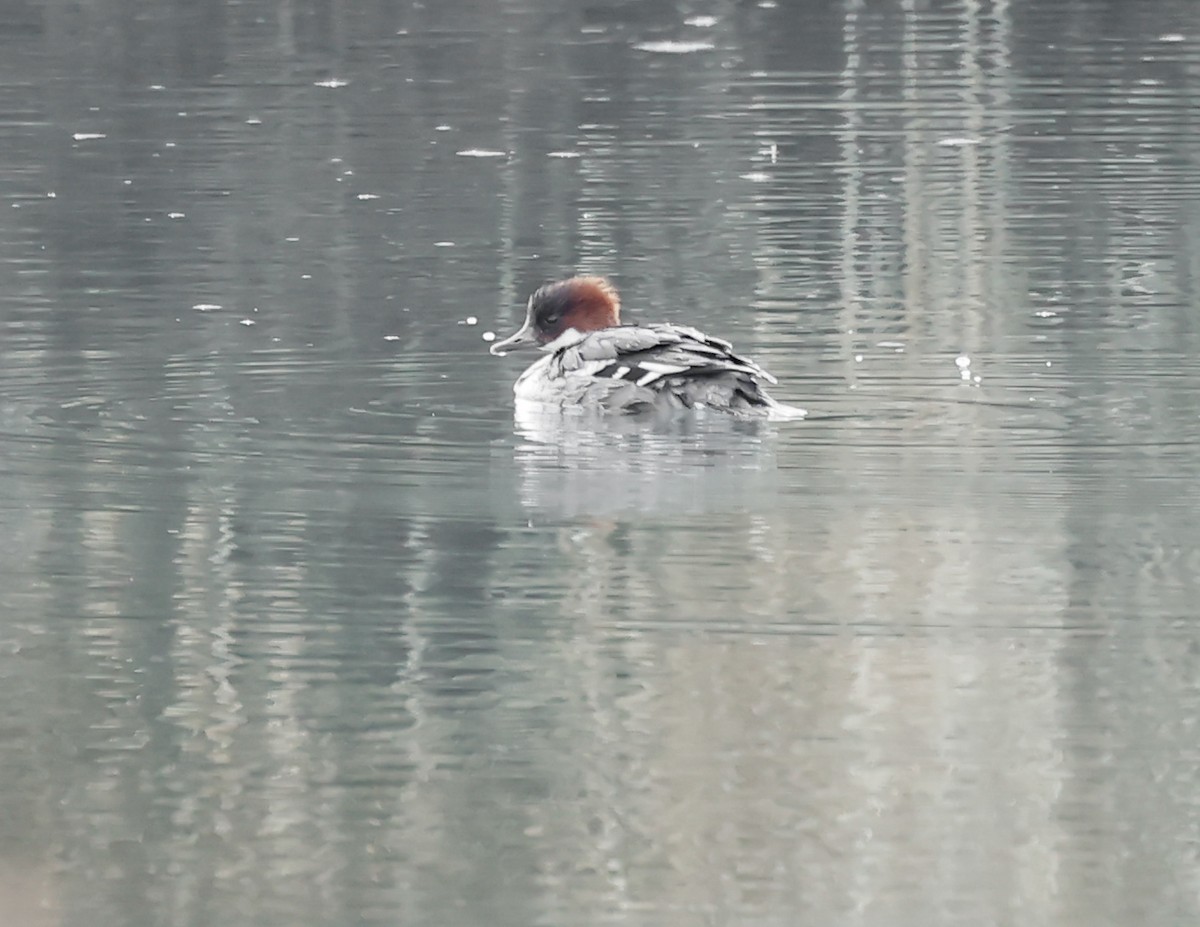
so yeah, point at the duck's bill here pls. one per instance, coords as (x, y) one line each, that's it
(524, 337)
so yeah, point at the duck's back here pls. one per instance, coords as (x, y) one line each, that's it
(642, 368)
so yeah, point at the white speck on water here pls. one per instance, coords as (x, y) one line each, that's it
(671, 47)
(858, 358)
(50, 194)
(701, 22)
(292, 238)
(756, 176)
(391, 337)
(206, 307)
(333, 83)
(957, 141)
(175, 215)
(306, 276)
(481, 153)
(443, 244)
(253, 121)
(247, 322)
(890, 344)
(1171, 37)
(962, 362)
(767, 4)
(488, 336)
(471, 320)
(978, 379)
(562, 154)
(442, 128)
(1049, 363)
(158, 87)
(367, 196)
(1045, 313)
(88, 136)
(168, 144)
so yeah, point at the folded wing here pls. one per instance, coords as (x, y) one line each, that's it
(635, 368)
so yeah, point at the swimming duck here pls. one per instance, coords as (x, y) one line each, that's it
(592, 361)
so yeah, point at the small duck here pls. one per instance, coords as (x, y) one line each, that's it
(594, 362)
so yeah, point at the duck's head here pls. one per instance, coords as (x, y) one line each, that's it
(581, 304)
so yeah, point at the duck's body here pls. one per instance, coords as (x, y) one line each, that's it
(593, 362)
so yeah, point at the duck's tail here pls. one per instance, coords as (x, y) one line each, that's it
(782, 412)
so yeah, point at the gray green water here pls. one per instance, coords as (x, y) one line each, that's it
(299, 626)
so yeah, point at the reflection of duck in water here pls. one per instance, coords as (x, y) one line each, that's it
(594, 362)
(574, 461)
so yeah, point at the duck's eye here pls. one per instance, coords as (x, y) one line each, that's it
(551, 317)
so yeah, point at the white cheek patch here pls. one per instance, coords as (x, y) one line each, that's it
(569, 337)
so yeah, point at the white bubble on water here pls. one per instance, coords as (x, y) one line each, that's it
(671, 47)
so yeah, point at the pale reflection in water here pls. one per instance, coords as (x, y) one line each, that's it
(575, 462)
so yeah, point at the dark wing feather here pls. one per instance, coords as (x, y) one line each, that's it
(667, 366)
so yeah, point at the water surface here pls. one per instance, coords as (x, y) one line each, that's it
(301, 624)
